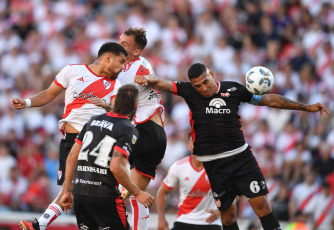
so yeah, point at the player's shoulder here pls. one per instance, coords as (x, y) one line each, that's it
(183, 161)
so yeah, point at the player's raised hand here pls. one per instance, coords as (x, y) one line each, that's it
(214, 215)
(141, 79)
(98, 102)
(18, 103)
(317, 107)
(67, 201)
(145, 198)
(162, 224)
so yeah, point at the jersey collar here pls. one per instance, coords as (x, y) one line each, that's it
(127, 67)
(218, 86)
(111, 114)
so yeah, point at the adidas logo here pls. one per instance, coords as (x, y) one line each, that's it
(187, 178)
(81, 79)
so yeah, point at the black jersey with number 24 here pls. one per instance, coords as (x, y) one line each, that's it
(99, 137)
(216, 125)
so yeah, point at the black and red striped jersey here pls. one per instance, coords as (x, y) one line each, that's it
(215, 122)
(98, 139)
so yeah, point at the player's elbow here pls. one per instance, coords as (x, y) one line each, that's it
(114, 168)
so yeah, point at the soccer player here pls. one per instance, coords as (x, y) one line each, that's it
(107, 137)
(197, 209)
(149, 119)
(81, 82)
(219, 142)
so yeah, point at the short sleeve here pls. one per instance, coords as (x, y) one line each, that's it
(182, 88)
(116, 87)
(81, 135)
(127, 140)
(245, 95)
(63, 77)
(172, 178)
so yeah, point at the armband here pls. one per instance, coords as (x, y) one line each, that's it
(255, 99)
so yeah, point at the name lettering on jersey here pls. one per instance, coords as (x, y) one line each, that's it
(215, 107)
(91, 169)
(103, 124)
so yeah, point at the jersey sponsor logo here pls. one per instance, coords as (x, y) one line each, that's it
(81, 79)
(254, 187)
(91, 169)
(215, 107)
(227, 94)
(232, 89)
(81, 181)
(103, 124)
(85, 96)
(106, 84)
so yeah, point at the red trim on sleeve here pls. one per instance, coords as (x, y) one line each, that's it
(143, 173)
(174, 88)
(113, 96)
(57, 83)
(119, 149)
(78, 141)
(167, 185)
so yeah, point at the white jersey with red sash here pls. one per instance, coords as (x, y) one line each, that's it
(149, 99)
(303, 195)
(80, 84)
(323, 211)
(195, 192)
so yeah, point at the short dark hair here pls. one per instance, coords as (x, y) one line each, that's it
(139, 34)
(195, 70)
(111, 47)
(126, 100)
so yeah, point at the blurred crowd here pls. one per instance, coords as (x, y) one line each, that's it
(293, 38)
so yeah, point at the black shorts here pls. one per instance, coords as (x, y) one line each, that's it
(183, 226)
(65, 147)
(150, 148)
(235, 175)
(95, 213)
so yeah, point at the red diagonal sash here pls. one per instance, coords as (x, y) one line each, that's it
(324, 213)
(307, 199)
(97, 89)
(191, 202)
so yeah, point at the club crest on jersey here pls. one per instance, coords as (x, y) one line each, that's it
(106, 84)
(60, 173)
(218, 203)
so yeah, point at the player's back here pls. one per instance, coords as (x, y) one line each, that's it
(99, 137)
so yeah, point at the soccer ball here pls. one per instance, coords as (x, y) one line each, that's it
(259, 80)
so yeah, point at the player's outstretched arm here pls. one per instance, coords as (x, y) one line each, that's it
(154, 82)
(161, 200)
(281, 102)
(67, 200)
(40, 99)
(118, 168)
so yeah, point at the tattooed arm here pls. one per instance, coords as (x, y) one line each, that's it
(281, 102)
(154, 82)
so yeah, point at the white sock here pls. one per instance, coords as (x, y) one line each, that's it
(140, 215)
(50, 214)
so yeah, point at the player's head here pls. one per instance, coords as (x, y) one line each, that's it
(111, 57)
(134, 41)
(127, 100)
(201, 78)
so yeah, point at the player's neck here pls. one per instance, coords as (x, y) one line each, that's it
(198, 165)
(131, 59)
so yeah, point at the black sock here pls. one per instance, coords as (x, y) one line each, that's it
(269, 222)
(233, 226)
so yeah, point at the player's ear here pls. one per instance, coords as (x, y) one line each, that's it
(212, 74)
(137, 52)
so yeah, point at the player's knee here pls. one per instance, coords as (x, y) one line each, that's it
(261, 206)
